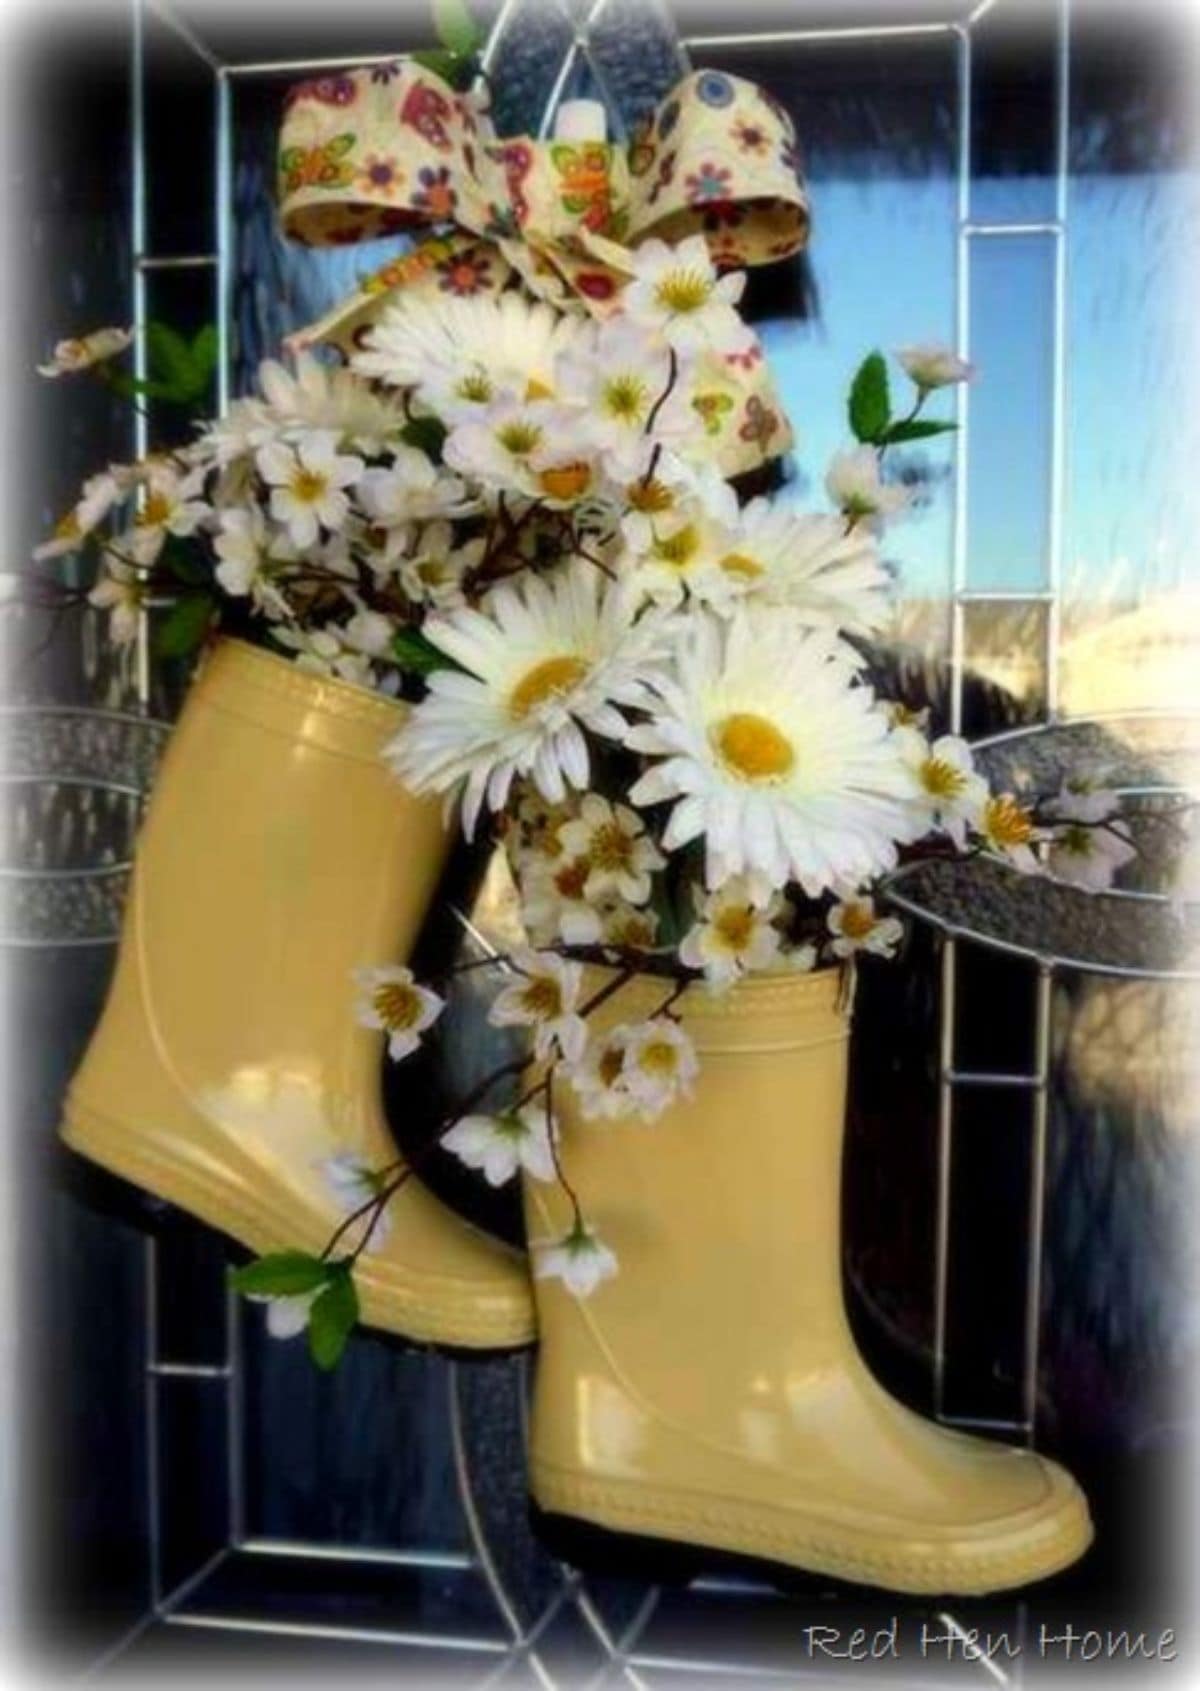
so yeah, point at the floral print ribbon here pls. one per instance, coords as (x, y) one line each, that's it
(390, 148)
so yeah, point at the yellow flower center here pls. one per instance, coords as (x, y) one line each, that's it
(155, 511)
(683, 291)
(941, 779)
(659, 1057)
(476, 388)
(857, 920)
(1077, 840)
(735, 927)
(650, 497)
(542, 997)
(309, 485)
(549, 679)
(536, 389)
(625, 398)
(678, 549)
(398, 1005)
(566, 481)
(67, 528)
(611, 847)
(519, 438)
(634, 929)
(737, 563)
(1005, 823)
(752, 747)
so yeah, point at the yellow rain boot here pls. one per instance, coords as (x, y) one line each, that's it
(711, 1393)
(279, 854)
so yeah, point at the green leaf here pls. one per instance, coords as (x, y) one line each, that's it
(205, 350)
(427, 434)
(185, 626)
(332, 1318)
(283, 1274)
(170, 353)
(455, 28)
(870, 401)
(917, 428)
(419, 656)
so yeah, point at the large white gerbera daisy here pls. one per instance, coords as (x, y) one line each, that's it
(546, 658)
(461, 355)
(832, 577)
(314, 395)
(775, 755)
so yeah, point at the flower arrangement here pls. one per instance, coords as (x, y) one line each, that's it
(653, 696)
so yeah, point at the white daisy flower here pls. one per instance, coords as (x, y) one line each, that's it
(308, 484)
(854, 483)
(329, 398)
(856, 926)
(775, 755)
(369, 632)
(544, 997)
(67, 537)
(168, 506)
(677, 291)
(736, 932)
(931, 365)
(1089, 857)
(545, 660)
(461, 355)
(808, 561)
(120, 591)
(83, 353)
(501, 1145)
(660, 1065)
(948, 789)
(661, 487)
(627, 925)
(612, 840)
(353, 1183)
(1007, 827)
(579, 1260)
(393, 1002)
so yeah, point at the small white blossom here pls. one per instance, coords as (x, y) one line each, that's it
(392, 1001)
(249, 553)
(620, 855)
(544, 997)
(735, 933)
(308, 484)
(856, 926)
(677, 292)
(1083, 798)
(854, 483)
(353, 1183)
(947, 787)
(502, 1144)
(1007, 827)
(931, 365)
(579, 1260)
(71, 356)
(660, 1065)
(169, 505)
(1089, 857)
(287, 1316)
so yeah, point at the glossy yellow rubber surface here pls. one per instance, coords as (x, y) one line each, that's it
(278, 855)
(711, 1393)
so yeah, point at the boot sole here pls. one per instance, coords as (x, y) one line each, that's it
(421, 1311)
(668, 1538)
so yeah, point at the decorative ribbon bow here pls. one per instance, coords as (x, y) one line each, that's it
(390, 148)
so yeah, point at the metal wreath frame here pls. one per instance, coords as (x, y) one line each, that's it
(622, 1659)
